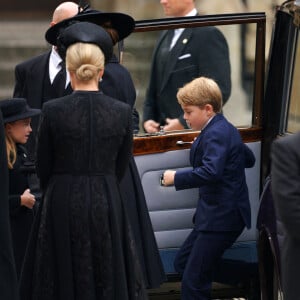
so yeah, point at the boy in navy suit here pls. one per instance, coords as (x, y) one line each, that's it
(219, 158)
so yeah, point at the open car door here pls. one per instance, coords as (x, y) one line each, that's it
(281, 117)
(172, 211)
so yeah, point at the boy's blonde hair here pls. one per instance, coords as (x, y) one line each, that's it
(85, 59)
(199, 92)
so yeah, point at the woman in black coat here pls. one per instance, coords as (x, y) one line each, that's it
(117, 83)
(82, 245)
(17, 116)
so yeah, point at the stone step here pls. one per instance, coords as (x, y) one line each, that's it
(7, 77)
(6, 92)
(19, 53)
(25, 33)
(20, 40)
(13, 56)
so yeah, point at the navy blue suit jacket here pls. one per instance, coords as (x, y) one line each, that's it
(219, 158)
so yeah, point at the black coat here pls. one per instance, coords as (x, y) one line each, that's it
(21, 217)
(285, 183)
(29, 84)
(116, 83)
(198, 52)
(84, 248)
(8, 276)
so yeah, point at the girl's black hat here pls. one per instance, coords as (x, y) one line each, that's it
(16, 109)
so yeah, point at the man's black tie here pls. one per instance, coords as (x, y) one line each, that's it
(59, 82)
(170, 35)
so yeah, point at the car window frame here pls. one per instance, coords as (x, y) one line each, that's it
(166, 141)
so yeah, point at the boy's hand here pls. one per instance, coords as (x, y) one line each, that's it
(168, 177)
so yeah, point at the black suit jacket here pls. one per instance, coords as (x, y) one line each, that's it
(29, 84)
(285, 176)
(29, 79)
(219, 158)
(197, 52)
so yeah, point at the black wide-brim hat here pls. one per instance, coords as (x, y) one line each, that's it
(122, 23)
(16, 109)
(85, 32)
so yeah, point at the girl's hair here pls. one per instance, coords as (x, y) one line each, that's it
(11, 150)
(199, 92)
(85, 60)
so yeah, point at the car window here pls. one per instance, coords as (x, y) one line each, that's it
(242, 32)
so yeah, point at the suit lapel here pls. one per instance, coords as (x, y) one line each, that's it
(37, 76)
(68, 89)
(176, 52)
(193, 149)
(216, 118)
(158, 44)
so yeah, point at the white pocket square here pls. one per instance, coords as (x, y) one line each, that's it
(185, 56)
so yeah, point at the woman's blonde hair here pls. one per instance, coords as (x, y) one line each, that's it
(85, 60)
(199, 92)
(11, 150)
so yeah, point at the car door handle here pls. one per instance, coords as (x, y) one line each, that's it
(183, 143)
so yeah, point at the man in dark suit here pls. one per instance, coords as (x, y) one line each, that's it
(218, 158)
(34, 77)
(8, 275)
(285, 176)
(179, 57)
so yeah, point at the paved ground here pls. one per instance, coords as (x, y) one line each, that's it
(171, 291)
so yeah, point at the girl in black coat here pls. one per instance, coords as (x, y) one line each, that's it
(16, 117)
(8, 278)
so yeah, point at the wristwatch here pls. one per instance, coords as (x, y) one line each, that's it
(161, 180)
